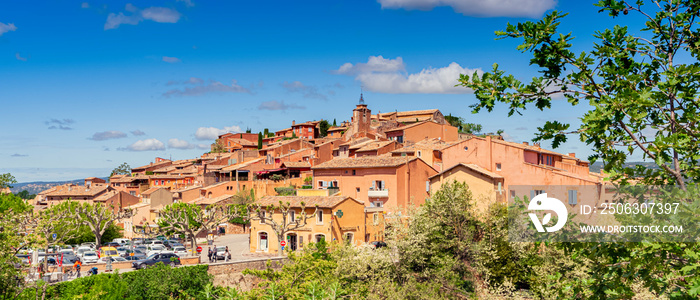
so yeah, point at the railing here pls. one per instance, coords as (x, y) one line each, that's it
(378, 193)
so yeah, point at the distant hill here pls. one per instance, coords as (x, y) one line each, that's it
(36, 187)
(597, 166)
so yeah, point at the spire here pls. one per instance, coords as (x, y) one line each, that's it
(362, 99)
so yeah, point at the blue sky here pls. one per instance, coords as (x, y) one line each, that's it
(88, 85)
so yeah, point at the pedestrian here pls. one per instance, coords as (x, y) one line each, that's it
(209, 255)
(77, 266)
(226, 254)
(214, 255)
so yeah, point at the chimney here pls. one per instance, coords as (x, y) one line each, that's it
(293, 123)
(572, 154)
(526, 143)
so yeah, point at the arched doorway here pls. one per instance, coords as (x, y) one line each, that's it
(320, 237)
(263, 241)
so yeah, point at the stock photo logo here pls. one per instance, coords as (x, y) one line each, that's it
(542, 202)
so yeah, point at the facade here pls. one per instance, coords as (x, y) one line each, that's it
(157, 196)
(159, 163)
(307, 130)
(413, 116)
(339, 218)
(486, 187)
(379, 181)
(428, 150)
(172, 181)
(374, 148)
(133, 185)
(423, 130)
(116, 200)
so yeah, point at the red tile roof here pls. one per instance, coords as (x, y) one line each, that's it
(365, 162)
(309, 201)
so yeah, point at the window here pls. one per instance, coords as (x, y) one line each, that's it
(375, 219)
(348, 238)
(357, 189)
(534, 193)
(427, 186)
(399, 139)
(500, 187)
(292, 216)
(320, 184)
(168, 181)
(320, 237)
(319, 217)
(378, 204)
(353, 172)
(512, 194)
(162, 182)
(498, 166)
(572, 197)
(310, 130)
(133, 193)
(418, 153)
(262, 217)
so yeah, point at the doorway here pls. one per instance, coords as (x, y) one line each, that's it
(262, 237)
(292, 241)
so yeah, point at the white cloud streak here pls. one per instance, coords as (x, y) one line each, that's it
(171, 60)
(156, 14)
(145, 145)
(19, 57)
(307, 91)
(388, 76)
(180, 144)
(278, 105)
(212, 133)
(7, 28)
(107, 135)
(478, 8)
(212, 87)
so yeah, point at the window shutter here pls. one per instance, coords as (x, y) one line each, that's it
(532, 194)
(383, 185)
(572, 197)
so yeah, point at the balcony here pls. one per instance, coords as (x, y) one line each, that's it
(378, 193)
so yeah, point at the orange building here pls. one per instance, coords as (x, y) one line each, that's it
(373, 148)
(381, 181)
(423, 130)
(428, 150)
(413, 116)
(307, 130)
(172, 181)
(160, 162)
(339, 218)
(134, 185)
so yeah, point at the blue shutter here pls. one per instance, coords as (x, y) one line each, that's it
(532, 194)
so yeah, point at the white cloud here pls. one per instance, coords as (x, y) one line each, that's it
(478, 8)
(138, 132)
(212, 133)
(7, 27)
(171, 60)
(388, 76)
(307, 91)
(19, 57)
(188, 3)
(278, 105)
(156, 14)
(107, 135)
(212, 87)
(179, 144)
(374, 64)
(145, 145)
(85, 5)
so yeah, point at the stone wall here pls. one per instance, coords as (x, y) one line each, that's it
(230, 274)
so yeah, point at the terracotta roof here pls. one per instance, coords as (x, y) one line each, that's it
(410, 112)
(472, 167)
(371, 146)
(124, 179)
(356, 141)
(296, 164)
(215, 167)
(106, 196)
(339, 128)
(165, 169)
(295, 152)
(241, 165)
(410, 126)
(307, 123)
(78, 190)
(187, 188)
(364, 162)
(171, 176)
(152, 164)
(209, 201)
(434, 144)
(309, 201)
(242, 142)
(151, 190)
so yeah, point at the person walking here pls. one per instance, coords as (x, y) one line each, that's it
(226, 254)
(209, 254)
(214, 255)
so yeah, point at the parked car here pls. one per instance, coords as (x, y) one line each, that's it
(108, 251)
(137, 241)
(112, 244)
(156, 242)
(167, 258)
(112, 258)
(378, 244)
(121, 242)
(89, 258)
(156, 249)
(83, 249)
(122, 251)
(53, 260)
(88, 244)
(180, 251)
(220, 253)
(135, 257)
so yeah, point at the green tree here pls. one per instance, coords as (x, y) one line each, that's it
(15, 225)
(260, 140)
(323, 128)
(98, 218)
(642, 87)
(218, 147)
(123, 169)
(247, 131)
(334, 123)
(266, 132)
(24, 194)
(6, 180)
(190, 219)
(279, 226)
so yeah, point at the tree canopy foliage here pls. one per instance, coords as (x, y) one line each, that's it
(123, 169)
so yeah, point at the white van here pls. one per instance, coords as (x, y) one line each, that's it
(122, 242)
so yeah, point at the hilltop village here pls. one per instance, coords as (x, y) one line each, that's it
(358, 172)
